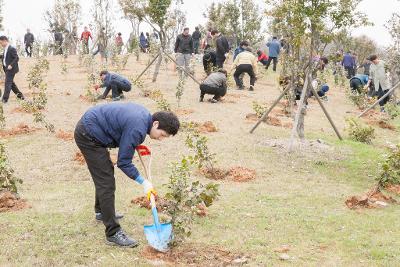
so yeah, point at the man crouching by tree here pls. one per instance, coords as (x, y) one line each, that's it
(123, 125)
(114, 82)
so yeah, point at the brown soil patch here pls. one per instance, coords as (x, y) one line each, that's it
(11, 202)
(215, 174)
(18, 130)
(79, 158)
(241, 174)
(271, 120)
(393, 188)
(20, 110)
(183, 112)
(380, 123)
(161, 203)
(207, 127)
(66, 136)
(194, 255)
(373, 199)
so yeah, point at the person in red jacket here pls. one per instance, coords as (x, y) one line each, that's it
(262, 57)
(85, 40)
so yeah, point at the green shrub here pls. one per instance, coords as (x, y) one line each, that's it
(259, 109)
(8, 181)
(392, 109)
(390, 173)
(360, 132)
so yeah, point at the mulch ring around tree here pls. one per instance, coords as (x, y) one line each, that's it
(194, 255)
(20, 129)
(375, 118)
(236, 174)
(11, 202)
(371, 200)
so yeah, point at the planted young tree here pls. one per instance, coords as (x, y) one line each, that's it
(39, 101)
(390, 173)
(8, 181)
(2, 117)
(185, 196)
(306, 26)
(179, 89)
(360, 132)
(64, 17)
(392, 55)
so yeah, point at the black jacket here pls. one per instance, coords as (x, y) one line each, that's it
(209, 58)
(29, 38)
(222, 46)
(11, 59)
(184, 44)
(196, 35)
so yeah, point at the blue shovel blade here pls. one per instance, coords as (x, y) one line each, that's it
(159, 238)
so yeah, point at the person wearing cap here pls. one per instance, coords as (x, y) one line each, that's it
(123, 126)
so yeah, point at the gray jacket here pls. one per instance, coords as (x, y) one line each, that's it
(216, 79)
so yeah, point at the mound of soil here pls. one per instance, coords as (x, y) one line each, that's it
(381, 123)
(183, 112)
(79, 158)
(271, 120)
(11, 202)
(66, 136)
(241, 174)
(207, 127)
(194, 255)
(215, 174)
(18, 130)
(393, 188)
(143, 202)
(371, 200)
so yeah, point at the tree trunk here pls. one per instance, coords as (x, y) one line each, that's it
(158, 65)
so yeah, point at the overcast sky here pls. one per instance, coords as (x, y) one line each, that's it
(20, 14)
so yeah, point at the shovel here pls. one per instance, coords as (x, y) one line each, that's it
(159, 235)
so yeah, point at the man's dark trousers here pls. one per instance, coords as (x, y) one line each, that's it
(244, 68)
(10, 85)
(275, 62)
(218, 92)
(102, 171)
(220, 61)
(28, 50)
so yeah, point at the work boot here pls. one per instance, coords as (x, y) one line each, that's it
(99, 216)
(212, 100)
(201, 98)
(116, 98)
(121, 239)
(251, 88)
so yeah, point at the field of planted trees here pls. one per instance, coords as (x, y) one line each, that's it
(314, 183)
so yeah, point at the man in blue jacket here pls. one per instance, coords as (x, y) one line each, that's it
(116, 83)
(349, 64)
(123, 125)
(274, 48)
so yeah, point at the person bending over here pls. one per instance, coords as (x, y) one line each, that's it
(245, 62)
(114, 82)
(214, 84)
(122, 125)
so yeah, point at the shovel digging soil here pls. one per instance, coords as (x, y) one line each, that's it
(158, 235)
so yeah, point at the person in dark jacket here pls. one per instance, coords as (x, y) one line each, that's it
(143, 43)
(196, 36)
(114, 82)
(274, 48)
(9, 61)
(58, 42)
(122, 125)
(222, 47)
(348, 62)
(366, 66)
(29, 39)
(209, 60)
(184, 51)
(214, 84)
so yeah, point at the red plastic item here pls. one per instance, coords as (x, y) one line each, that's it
(143, 150)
